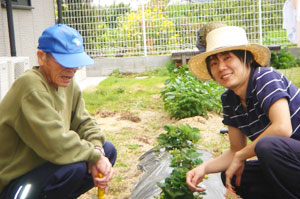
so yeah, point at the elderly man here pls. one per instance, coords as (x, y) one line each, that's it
(50, 147)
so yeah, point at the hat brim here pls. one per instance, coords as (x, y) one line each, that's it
(197, 64)
(73, 60)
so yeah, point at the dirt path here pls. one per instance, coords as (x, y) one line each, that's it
(136, 132)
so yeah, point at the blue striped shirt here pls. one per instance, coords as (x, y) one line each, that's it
(265, 87)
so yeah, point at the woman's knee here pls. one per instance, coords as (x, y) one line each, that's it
(268, 148)
(264, 145)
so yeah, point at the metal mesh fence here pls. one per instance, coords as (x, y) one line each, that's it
(153, 27)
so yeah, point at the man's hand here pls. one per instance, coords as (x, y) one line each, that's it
(194, 177)
(104, 167)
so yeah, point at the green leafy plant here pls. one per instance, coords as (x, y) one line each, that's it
(178, 138)
(185, 96)
(116, 73)
(283, 60)
(179, 141)
(187, 158)
(175, 187)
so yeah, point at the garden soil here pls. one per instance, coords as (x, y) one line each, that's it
(142, 129)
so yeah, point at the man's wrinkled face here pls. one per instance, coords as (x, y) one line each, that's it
(55, 74)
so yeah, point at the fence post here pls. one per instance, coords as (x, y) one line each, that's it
(144, 29)
(59, 11)
(260, 22)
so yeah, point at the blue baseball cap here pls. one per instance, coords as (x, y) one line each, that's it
(66, 46)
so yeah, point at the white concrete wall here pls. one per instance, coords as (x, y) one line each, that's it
(105, 66)
(28, 25)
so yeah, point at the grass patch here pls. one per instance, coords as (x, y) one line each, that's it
(121, 164)
(132, 146)
(126, 92)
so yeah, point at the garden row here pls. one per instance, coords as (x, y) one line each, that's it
(179, 142)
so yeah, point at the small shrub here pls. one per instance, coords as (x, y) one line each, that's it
(185, 96)
(283, 60)
(116, 73)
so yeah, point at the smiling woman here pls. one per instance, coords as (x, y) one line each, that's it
(261, 104)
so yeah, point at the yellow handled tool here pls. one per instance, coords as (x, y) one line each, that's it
(101, 194)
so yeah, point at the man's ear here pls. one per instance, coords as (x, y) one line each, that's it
(42, 57)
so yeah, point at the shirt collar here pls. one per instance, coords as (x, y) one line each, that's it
(250, 84)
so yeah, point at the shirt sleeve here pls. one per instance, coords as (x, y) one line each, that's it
(270, 87)
(226, 98)
(41, 128)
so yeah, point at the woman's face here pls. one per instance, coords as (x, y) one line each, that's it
(229, 71)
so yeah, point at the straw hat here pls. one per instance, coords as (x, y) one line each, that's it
(203, 31)
(223, 39)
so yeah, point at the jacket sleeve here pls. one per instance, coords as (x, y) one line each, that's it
(41, 128)
(84, 124)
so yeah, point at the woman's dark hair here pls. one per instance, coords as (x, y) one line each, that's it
(240, 55)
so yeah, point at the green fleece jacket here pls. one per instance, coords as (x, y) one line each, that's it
(40, 124)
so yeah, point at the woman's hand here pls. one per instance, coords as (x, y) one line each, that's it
(194, 177)
(236, 168)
